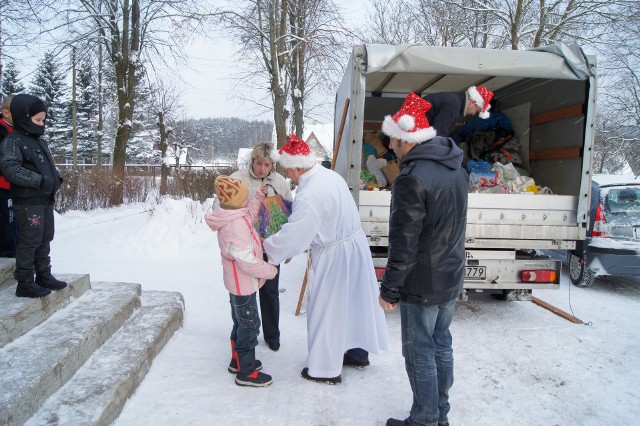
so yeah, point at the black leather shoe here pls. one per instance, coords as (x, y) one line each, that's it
(396, 422)
(31, 289)
(327, 380)
(350, 361)
(46, 280)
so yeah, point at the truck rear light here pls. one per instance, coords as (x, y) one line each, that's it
(538, 276)
(599, 224)
(379, 273)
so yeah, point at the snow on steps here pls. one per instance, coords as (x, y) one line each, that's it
(99, 390)
(21, 314)
(80, 364)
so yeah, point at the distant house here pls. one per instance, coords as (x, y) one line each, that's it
(319, 137)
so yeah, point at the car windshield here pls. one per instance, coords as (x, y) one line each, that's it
(624, 199)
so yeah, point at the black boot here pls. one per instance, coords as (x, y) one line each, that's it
(28, 288)
(233, 365)
(248, 374)
(46, 280)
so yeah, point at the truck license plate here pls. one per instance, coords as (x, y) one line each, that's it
(475, 272)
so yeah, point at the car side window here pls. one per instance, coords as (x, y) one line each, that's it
(624, 199)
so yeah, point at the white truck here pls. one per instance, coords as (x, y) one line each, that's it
(549, 96)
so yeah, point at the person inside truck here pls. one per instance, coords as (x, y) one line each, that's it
(425, 264)
(378, 157)
(446, 107)
(344, 321)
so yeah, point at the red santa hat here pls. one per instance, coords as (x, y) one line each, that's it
(410, 123)
(482, 96)
(296, 154)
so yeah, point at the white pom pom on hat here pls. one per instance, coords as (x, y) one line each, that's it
(407, 123)
(482, 97)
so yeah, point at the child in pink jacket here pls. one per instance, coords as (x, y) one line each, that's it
(244, 272)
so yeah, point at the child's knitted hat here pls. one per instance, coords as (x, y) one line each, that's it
(232, 193)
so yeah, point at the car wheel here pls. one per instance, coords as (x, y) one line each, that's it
(579, 272)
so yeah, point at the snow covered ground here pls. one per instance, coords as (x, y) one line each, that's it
(516, 363)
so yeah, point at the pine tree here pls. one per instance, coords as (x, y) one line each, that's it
(10, 81)
(144, 130)
(87, 109)
(49, 85)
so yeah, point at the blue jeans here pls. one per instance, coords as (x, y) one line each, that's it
(428, 356)
(246, 322)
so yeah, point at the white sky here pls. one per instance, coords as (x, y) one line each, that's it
(515, 362)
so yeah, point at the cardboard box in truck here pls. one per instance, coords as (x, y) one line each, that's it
(549, 96)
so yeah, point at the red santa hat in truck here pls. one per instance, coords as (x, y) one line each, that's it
(481, 96)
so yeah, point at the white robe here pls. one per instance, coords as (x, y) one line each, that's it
(343, 310)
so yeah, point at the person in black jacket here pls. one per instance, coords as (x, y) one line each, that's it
(8, 223)
(26, 162)
(425, 268)
(446, 107)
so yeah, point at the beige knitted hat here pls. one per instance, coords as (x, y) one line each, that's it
(232, 193)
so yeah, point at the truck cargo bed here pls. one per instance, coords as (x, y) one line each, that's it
(494, 220)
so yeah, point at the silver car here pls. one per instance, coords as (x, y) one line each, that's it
(612, 246)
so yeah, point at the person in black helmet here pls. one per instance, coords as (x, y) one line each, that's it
(26, 162)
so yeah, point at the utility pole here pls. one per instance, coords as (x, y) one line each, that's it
(74, 112)
(100, 119)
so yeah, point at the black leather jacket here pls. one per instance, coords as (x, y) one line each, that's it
(25, 159)
(427, 225)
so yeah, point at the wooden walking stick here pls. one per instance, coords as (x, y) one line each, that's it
(304, 285)
(333, 164)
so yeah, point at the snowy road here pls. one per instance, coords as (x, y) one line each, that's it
(516, 363)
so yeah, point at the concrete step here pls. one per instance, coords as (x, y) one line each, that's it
(98, 391)
(7, 266)
(21, 314)
(37, 364)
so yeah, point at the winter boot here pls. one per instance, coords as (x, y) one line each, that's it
(396, 422)
(28, 288)
(233, 365)
(46, 280)
(351, 361)
(248, 375)
(328, 380)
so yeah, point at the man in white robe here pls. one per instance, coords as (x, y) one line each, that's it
(343, 310)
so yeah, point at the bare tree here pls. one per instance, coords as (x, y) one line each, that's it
(533, 23)
(390, 22)
(620, 99)
(15, 15)
(165, 102)
(314, 52)
(609, 152)
(260, 28)
(285, 46)
(133, 34)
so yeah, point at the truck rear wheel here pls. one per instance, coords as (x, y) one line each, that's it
(579, 272)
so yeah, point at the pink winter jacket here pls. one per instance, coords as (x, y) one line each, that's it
(243, 267)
